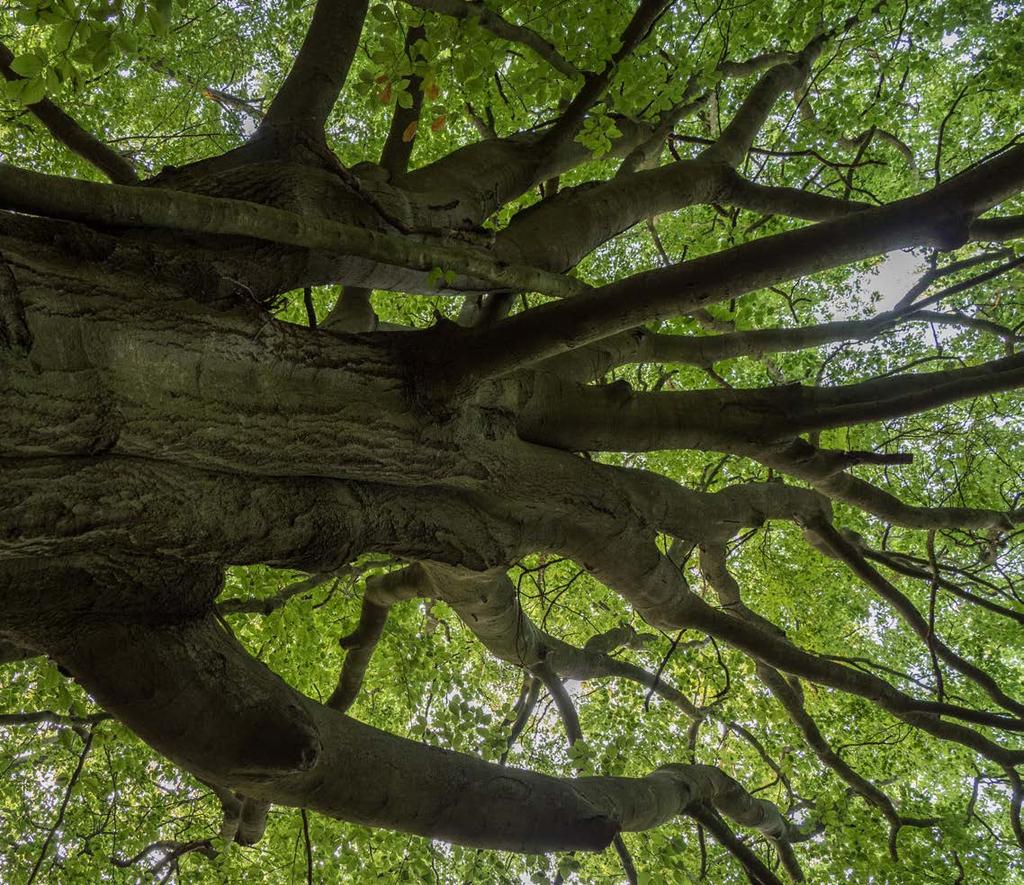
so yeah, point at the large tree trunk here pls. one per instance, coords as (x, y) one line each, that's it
(158, 425)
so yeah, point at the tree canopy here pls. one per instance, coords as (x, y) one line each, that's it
(503, 441)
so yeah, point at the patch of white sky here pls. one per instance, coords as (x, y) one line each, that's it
(875, 290)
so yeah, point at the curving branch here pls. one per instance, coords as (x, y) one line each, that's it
(487, 603)
(756, 871)
(70, 133)
(305, 100)
(247, 731)
(523, 710)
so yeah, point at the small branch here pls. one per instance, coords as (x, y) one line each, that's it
(563, 703)
(834, 544)
(173, 851)
(48, 717)
(268, 604)
(626, 859)
(646, 155)
(87, 745)
(524, 710)
(819, 468)
(404, 121)
(498, 26)
(896, 565)
(309, 846)
(573, 733)
(594, 86)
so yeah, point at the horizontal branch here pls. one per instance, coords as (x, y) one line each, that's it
(820, 469)
(998, 229)
(616, 418)
(49, 717)
(57, 197)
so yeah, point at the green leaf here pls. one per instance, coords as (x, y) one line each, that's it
(158, 13)
(35, 90)
(63, 34)
(27, 65)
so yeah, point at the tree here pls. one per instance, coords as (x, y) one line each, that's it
(529, 349)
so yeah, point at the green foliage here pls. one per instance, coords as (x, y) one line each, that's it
(142, 74)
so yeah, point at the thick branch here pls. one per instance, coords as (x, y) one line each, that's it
(738, 420)
(940, 217)
(302, 105)
(195, 695)
(58, 197)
